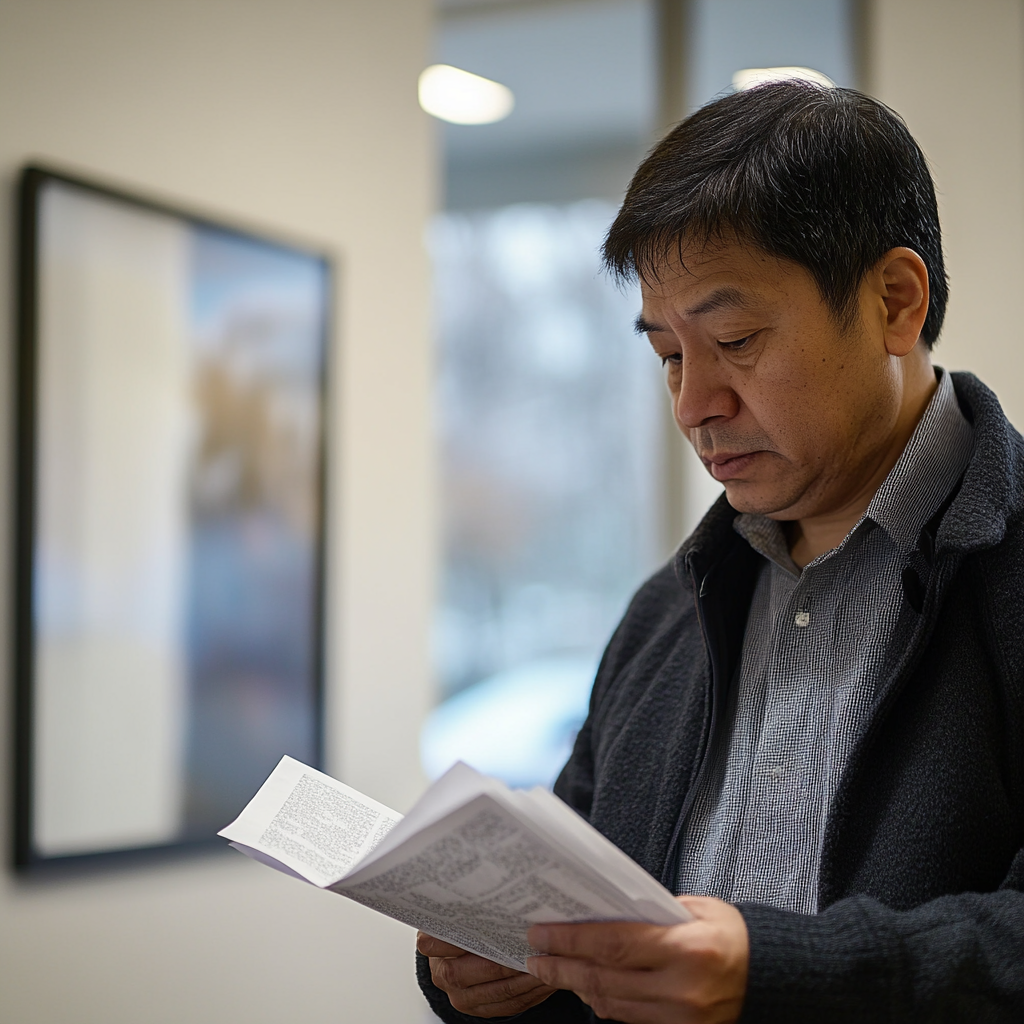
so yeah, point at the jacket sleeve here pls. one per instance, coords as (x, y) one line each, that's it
(957, 960)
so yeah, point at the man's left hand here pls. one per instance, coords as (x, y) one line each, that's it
(694, 973)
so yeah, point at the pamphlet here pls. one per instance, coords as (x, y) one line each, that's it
(473, 863)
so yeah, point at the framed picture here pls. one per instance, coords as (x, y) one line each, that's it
(169, 539)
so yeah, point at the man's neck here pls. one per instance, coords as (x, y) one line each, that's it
(813, 536)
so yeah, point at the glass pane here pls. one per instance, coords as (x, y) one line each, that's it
(729, 35)
(549, 410)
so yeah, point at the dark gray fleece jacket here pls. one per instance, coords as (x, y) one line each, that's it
(921, 913)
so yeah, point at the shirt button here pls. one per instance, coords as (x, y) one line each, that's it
(802, 619)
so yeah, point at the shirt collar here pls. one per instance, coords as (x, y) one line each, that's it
(934, 459)
(767, 538)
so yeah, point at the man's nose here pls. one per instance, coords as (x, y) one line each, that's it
(705, 393)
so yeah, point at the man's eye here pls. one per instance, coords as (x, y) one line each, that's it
(735, 346)
(675, 359)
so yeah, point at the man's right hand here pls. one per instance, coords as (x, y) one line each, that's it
(477, 986)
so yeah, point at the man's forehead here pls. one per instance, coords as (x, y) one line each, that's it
(699, 301)
(727, 276)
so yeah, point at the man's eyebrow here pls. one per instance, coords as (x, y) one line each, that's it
(721, 298)
(642, 326)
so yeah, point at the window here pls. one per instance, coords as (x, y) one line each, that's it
(552, 416)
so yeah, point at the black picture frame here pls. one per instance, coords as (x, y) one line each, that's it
(29, 855)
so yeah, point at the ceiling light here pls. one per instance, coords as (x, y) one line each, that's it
(750, 78)
(462, 98)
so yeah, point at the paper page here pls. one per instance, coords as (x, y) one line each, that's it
(579, 839)
(479, 878)
(270, 862)
(456, 787)
(310, 823)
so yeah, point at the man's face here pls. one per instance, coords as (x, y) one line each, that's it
(790, 411)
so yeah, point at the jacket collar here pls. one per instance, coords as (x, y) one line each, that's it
(992, 492)
(711, 539)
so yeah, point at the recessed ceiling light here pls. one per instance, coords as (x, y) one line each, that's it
(750, 78)
(463, 98)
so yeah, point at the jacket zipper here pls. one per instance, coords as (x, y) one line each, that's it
(670, 874)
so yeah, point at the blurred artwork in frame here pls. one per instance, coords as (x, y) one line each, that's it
(170, 525)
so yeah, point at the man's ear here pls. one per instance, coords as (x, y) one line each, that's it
(903, 278)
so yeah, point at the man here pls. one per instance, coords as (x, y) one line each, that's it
(811, 724)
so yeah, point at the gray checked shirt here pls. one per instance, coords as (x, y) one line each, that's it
(816, 648)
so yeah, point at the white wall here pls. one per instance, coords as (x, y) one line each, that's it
(955, 70)
(300, 116)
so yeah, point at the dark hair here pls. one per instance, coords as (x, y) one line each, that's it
(828, 178)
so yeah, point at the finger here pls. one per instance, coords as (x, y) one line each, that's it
(502, 991)
(588, 979)
(465, 1002)
(517, 1004)
(468, 970)
(706, 908)
(429, 946)
(611, 943)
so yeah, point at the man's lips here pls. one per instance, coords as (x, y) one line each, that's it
(728, 466)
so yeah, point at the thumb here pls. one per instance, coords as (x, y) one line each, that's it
(706, 908)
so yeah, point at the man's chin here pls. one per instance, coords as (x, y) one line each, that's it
(759, 498)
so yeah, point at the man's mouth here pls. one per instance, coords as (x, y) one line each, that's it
(728, 465)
